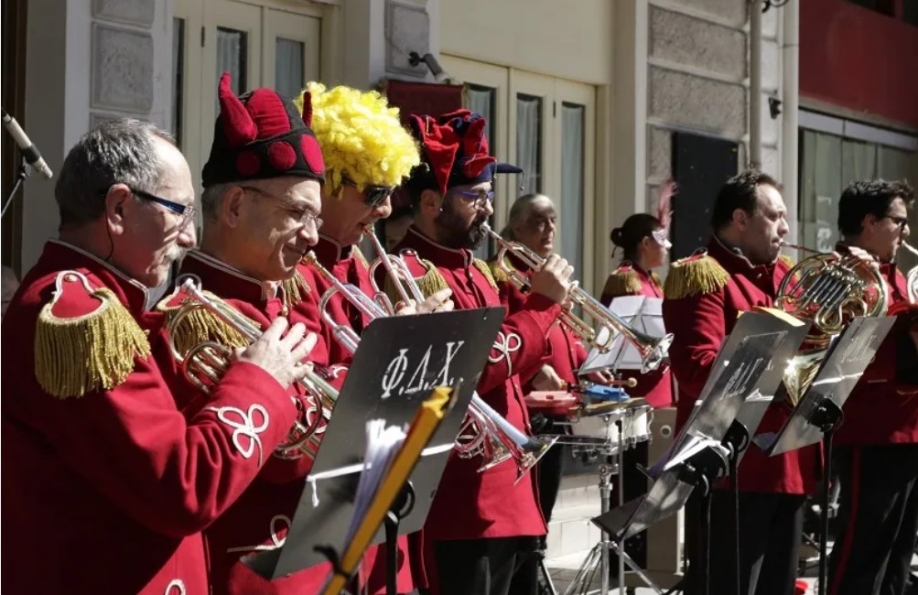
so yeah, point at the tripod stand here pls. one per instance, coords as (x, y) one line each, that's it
(598, 558)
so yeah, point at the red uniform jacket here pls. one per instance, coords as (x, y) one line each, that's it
(260, 519)
(882, 408)
(700, 322)
(107, 492)
(656, 386)
(565, 350)
(348, 265)
(469, 504)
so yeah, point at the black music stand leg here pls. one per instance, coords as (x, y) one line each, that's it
(701, 471)
(827, 417)
(23, 173)
(400, 509)
(737, 440)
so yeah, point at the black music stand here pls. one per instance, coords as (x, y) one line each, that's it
(819, 411)
(400, 359)
(703, 450)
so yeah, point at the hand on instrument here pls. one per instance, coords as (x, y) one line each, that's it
(602, 377)
(437, 302)
(279, 354)
(862, 255)
(547, 379)
(553, 279)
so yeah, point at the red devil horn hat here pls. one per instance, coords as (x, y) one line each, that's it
(261, 135)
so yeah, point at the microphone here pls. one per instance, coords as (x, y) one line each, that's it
(29, 151)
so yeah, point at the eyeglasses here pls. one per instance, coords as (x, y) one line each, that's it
(301, 215)
(478, 198)
(899, 221)
(186, 212)
(373, 195)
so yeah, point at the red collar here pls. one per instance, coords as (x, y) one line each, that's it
(734, 261)
(59, 255)
(330, 252)
(223, 280)
(430, 250)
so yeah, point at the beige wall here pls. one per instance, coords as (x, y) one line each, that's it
(542, 36)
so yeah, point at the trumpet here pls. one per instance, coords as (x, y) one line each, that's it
(652, 349)
(911, 277)
(484, 431)
(396, 270)
(206, 363)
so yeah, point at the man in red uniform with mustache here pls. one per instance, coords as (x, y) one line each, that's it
(107, 484)
(704, 295)
(483, 529)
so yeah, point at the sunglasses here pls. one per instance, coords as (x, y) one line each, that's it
(373, 195)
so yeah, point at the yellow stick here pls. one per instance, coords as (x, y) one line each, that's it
(426, 421)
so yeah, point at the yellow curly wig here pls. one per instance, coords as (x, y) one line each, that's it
(361, 136)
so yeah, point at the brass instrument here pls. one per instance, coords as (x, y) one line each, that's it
(911, 277)
(652, 349)
(826, 290)
(204, 364)
(396, 270)
(484, 431)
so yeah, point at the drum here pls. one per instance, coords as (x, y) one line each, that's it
(636, 422)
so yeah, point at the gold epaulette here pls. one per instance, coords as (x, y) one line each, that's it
(486, 271)
(295, 289)
(694, 275)
(199, 324)
(622, 281)
(85, 339)
(497, 273)
(426, 275)
(656, 279)
(359, 256)
(790, 262)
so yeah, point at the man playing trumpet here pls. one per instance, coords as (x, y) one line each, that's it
(106, 484)
(483, 528)
(261, 210)
(368, 153)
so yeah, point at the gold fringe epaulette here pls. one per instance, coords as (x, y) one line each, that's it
(790, 262)
(497, 273)
(656, 279)
(199, 325)
(695, 275)
(486, 271)
(622, 281)
(359, 256)
(89, 344)
(295, 289)
(429, 283)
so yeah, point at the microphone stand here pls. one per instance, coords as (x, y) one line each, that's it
(24, 172)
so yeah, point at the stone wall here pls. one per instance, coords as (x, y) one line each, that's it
(698, 79)
(87, 61)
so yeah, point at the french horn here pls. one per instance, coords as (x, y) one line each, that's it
(828, 290)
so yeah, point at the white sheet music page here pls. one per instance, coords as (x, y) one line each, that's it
(642, 313)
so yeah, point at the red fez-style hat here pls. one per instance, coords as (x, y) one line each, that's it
(261, 135)
(454, 150)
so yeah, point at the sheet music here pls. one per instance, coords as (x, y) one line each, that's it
(641, 313)
(383, 444)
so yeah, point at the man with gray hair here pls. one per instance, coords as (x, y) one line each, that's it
(106, 483)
